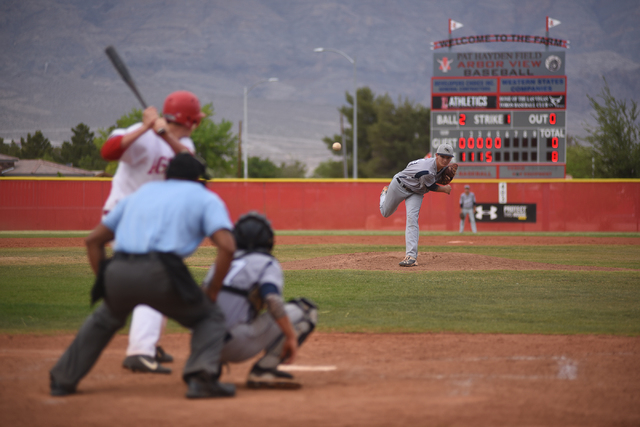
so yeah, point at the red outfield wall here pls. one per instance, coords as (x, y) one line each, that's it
(562, 205)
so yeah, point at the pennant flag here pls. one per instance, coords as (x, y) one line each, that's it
(552, 23)
(453, 25)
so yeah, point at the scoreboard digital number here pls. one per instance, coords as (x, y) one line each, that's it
(505, 108)
(529, 136)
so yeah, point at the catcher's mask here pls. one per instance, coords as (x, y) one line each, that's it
(253, 233)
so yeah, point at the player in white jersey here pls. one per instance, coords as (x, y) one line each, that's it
(255, 281)
(144, 151)
(417, 179)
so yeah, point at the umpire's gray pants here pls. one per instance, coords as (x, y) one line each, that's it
(389, 203)
(143, 281)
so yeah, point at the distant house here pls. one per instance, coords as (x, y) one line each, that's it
(13, 166)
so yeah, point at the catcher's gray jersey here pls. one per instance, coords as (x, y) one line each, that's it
(419, 175)
(245, 271)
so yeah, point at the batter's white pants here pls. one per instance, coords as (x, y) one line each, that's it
(389, 203)
(249, 339)
(472, 220)
(146, 328)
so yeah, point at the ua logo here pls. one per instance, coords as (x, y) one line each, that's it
(159, 166)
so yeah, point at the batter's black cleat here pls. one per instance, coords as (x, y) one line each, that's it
(144, 364)
(271, 378)
(201, 388)
(162, 356)
(58, 389)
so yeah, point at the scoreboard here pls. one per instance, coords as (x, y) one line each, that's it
(504, 108)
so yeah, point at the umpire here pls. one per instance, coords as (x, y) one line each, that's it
(154, 229)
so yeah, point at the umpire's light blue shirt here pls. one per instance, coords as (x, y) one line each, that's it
(167, 216)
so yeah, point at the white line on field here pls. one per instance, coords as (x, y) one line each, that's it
(308, 368)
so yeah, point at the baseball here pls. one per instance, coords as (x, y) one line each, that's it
(337, 146)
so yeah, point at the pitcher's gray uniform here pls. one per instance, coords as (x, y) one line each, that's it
(249, 332)
(410, 185)
(467, 203)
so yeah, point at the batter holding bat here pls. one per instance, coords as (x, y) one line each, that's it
(418, 178)
(144, 151)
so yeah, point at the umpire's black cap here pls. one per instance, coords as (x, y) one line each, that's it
(186, 166)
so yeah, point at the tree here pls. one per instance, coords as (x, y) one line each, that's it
(129, 119)
(331, 169)
(389, 135)
(295, 169)
(82, 152)
(579, 159)
(11, 149)
(36, 147)
(216, 144)
(615, 139)
(262, 168)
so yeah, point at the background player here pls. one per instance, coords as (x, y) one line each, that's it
(410, 185)
(467, 203)
(144, 151)
(255, 280)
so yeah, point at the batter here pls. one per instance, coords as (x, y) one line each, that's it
(144, 151)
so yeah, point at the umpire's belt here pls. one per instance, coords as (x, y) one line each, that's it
(135, 257)
(404, 186)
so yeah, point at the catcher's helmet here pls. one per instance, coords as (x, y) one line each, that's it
(253, 233)
(182, 107)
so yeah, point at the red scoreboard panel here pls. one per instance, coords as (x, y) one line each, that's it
(501, 117)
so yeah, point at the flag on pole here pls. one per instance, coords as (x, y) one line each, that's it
(552, 23)
(453, 25)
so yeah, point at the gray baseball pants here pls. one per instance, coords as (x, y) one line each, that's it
(143, 281)
(472, 220)
(249, 339)
(389, 203)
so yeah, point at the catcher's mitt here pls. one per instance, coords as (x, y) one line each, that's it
(447, 175)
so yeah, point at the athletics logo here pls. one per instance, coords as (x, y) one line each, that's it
(445, 65)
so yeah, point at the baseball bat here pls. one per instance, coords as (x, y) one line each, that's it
(124, 72)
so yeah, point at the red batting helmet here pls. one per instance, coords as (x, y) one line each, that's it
(182, 107)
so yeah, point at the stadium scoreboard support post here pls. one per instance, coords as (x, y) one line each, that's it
(503, 112)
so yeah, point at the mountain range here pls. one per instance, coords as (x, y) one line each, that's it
(55, 73)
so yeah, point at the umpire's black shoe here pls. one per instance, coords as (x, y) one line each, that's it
(58, 389)
(144, 364)
(162, 356)
(200, 388)
(271, 378)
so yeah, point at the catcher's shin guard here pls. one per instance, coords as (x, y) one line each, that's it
(303, 328)
(309, 321)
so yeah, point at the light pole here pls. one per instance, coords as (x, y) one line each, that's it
(245, 125)
(355, 106)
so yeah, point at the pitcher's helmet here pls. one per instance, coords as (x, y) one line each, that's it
(253, 233)
(182, 107)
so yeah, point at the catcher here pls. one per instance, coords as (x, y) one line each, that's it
(419, 177)
(256, 316)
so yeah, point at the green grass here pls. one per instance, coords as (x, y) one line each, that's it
(46, 290)
(474, 302)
